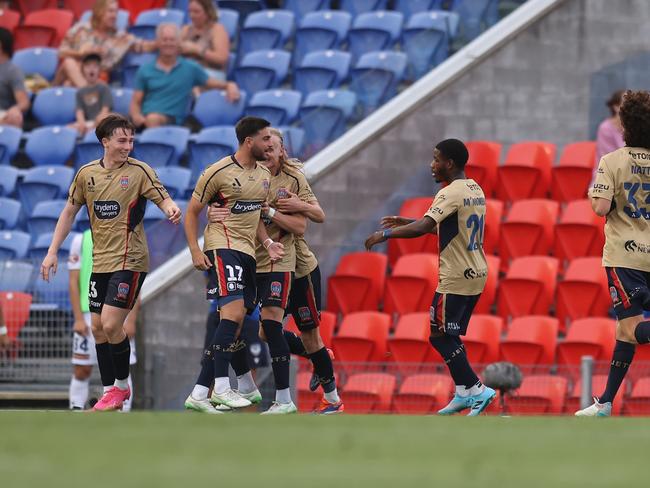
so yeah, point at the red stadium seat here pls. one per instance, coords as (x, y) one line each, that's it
(571, 177)
(580, 232)
(530, 342)
(15, 309)
(593, 337)
(493, 217)
(409, 346)
(489, 295)
(598, 383)
(78, 7)
(369, 393)
(59, 20)
(423, 393)
(482, 339)
(528, 229)
(528, 288)
(362, 337)
(526, 171)
(326, 328)
(135, 7)
(638, 403)
(358, 283)
(413, 208)
(9, 19)
(482, 164)
(411, 286)
(27, 6)
(583, 292)
(26, 36)
(307, 400)
(539, 394)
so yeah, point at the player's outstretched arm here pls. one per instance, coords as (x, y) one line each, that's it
(275, 249)
(199, 259)
(417, 228)
(601, 206)
(293, 204)
(61, 231)
(171, 210)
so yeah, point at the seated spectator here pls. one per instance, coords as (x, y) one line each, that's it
(94, 101)
(205, 40)
(99, 36)
(610, 130)
(163, 87)
(13, 96)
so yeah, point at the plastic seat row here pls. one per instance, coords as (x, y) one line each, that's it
(42, 28)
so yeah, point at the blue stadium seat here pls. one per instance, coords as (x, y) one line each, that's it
(280, 107)
(453, 22)
(9, 142)
(130, 65)
(262, 70)
(324, 29)
(213, 108)
(232, 64)
(356, 7)
(243, 7)
(8, 178)
(175, 179)
(87, 150)
(152, 215)
(230, 20)
(492, 12)
(410, 7)
(38, 250)
(55, 106)
(268, 29)
(44, 183)
(122, 22)
(165, 239)
(321, 70)
(374, 31)
(300, 8)
(51, 145)
(147, 21)
(152, 146)
(16, 276)
(472, 14)
(9, 213)
(41, 60)
(324, 115)
(44, 216)
(14, 244)
(425, 41)
(55, 293)
(376, 76)
(211, 145)
(121, 100)
(294, 140)
(82, 221)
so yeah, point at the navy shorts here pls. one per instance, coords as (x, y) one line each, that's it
(630, 291)
(450, 313)
(305, 300)
(232, 277)
(274, 288)
(118, 289)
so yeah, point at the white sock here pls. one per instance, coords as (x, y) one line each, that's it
(126, 406)
(221, 385)
(122, 384)
(332, 396)
(200, 392)
(477, 389)
(283, 396)
(78, 393)
(461, 391)
(246, 383)
(106, 388)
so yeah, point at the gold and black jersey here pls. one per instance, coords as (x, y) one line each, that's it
(243, 191)
(459, 211)
(623, 177)
(116, 200)
(306, 261)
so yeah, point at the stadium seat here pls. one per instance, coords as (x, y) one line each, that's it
(526, 172)
(325, 29)
(40, 245)
(44, 217)
(51, 145)
(44, 183)
(358, 7)
(413, 208)
(528, 288)
(482, 338)
(130, 65)
(280, 107)
(147, 21)
(411, 285)
(269, 28)
(211, 145)
(9, 19)
(409, 346)
(9, 213)
(492, 231)
(229, 18)
(357, 283)
(326, 328)
(8, 178)
(598, 383)
(595, 337)
(369, 392)
(530, 342)
(321, 70)
(307, 400)
(294, 140)
(152, 215)
(55, 292)
(82, 221)
(376, 76)
(425, 41)
(78, 7)
(638, 403)
(528, 229)
(262, 70)
(580, 232)
(121, 100)
(57, 19)
(324, 115)
(15, 276)
(13, 244)
(175, 179)
(483, 163)
(9, 143)
(148, 146)
(37, 60)
(411, 7)
(362, 337)
(55, 106)
(489, 295)
(583, 292)
(300, 8)
(571, 177)
(243, 7)
(472, 15)
(423, 394)
(539, 394)
(374, 31)
(32, 36)
(122, 22)
(87, 150)
(15, 308)
(213, 108)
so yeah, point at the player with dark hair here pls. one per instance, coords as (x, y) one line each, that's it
(620, 192)
(115, 190)
(457, 215)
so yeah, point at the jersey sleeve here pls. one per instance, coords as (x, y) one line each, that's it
(603, 185)
(304, 191)
(76, 194)
(444, 204)
(151, 188)
(74, 257)
(207, 187)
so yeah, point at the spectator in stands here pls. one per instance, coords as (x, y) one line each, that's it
(94, 101)
(610, 131)
(4, 333)
(13, 96)
(164, 86)
(99, 36)
(205, 40)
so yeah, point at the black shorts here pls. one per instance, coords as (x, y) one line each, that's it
(450, 313)
(630, 291)
(274, 288)
(232, 277)
(118, 289)
(305, 300)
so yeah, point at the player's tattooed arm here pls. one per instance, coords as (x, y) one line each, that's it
(293, 204)
(275, 249)
(171, 210)
(413, 229)
(199, 259)
(61, 231)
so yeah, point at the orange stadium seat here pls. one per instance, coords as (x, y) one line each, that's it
(482, 339)
(362, 337)
(15, 309)
(59, 20)
(493, 217)
(423, 393)
(482, 164)
(326, 328)
(593, 337)
(369, 392)
(411, 286)
(26, 36)
(409, 346)
(528, 229)
(539, 394)
(531, 342)
(27, 6)
(583, 292)
(598, 383)
(638, 403)
(580, 232)
(358, 282)
(9, 19)
(526, 171)
(307, 399)
(413, 208)
(571, 177)
(528, 288)
(488, 297)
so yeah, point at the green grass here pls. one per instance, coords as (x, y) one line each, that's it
(61, 449)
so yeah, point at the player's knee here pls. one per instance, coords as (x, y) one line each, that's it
(625, 329)
(312, 340)
(82, 372)
(275, 338)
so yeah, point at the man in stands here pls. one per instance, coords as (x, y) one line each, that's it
(13, 96)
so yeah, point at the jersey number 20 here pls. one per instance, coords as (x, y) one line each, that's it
(475, 223)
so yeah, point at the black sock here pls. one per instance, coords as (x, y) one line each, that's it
(239, 360)
(452, 350)
(121, 357)
(621, 360)
(324, 369)
(224, 345)
(206, 376)
(295, 344)
(280, 355)
(105, 363)
(642, 332)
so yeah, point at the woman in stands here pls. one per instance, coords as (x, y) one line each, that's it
(205, 40)
(610, 130)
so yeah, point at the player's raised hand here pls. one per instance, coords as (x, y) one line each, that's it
(392, 221)
(200, 260)
(291, 204)
(374, 238)
(173, 213)
(217, 213)
(49, 266)
(276, 251)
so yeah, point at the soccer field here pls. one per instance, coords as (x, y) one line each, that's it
(61, 449)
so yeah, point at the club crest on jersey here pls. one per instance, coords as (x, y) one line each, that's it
(282, 193)
(124, 182)
(265, 185)
(122, 291)
(276, 289)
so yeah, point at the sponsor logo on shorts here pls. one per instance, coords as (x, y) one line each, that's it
(276, 289)
(452, 326)
(106, 209)
(245, 206)
(124, 182)
(231, 286)
(614, 294)
(122, 291)
(95, 304)
(305, 314)
(212, 291)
